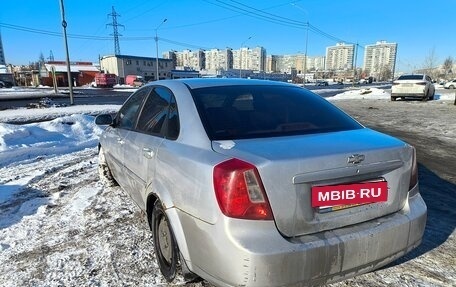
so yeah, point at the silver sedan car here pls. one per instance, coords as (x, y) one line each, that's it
(261, 183)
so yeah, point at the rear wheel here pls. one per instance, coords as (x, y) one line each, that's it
(166, 250)
(104, 172)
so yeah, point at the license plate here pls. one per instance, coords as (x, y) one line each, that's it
(348, 195)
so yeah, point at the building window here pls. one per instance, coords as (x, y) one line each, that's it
(128, 62)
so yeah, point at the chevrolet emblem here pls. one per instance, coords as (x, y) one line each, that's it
(356, 158)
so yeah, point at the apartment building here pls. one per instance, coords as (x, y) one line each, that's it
(192, 59)
(380, 59)
(217, 60)
(340, 57)
(298, 62)
(250, 59)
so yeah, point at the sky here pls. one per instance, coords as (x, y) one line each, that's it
(421, 28)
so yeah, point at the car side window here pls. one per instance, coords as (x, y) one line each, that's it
(126, 117)
(155, 112)
(173, 127)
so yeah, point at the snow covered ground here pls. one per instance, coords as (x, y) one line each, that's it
(60, 227)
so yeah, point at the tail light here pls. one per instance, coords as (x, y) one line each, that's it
(414, 175)
(240, 192)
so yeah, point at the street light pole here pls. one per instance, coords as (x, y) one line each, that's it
(64, 25)
(156, 47)
(240, 57)
(305, 53)
(307, 38)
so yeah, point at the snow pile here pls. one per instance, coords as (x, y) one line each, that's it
(62, 135)
(29, 115)
(368, 93)
(19, 93)
(374, 93)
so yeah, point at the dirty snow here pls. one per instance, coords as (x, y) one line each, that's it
(60, 227)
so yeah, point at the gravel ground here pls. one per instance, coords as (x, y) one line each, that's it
(429, 126)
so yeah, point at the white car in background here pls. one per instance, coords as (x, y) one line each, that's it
(450, 84)
(413, 86)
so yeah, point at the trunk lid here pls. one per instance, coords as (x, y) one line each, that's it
(290, 166)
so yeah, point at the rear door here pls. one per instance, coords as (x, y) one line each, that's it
(142, 144)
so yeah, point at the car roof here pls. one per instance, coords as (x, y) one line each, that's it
(422, 75)
(195, 83)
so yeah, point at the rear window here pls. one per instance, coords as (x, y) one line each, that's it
(239, 112)
(410, 77)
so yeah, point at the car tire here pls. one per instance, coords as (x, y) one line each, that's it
(451, 87)
(393, 98)
(166, 249)
(104, 172)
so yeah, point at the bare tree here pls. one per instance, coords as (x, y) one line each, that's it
(385, 73)
(430, 63)
(448, 66)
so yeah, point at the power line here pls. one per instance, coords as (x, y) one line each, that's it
(273, 18)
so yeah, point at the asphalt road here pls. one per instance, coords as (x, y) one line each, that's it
(90, 96)
(80, 97)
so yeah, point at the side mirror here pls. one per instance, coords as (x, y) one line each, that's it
(105, 119)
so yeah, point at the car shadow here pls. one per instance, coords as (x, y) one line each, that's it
(24, 203)
(440, 198)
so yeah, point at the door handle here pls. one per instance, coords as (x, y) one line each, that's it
(148, 153)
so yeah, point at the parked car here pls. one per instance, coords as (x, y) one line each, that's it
(413, 86)
(261, 183)
(134, 80)
(322, 83)
(450, 84)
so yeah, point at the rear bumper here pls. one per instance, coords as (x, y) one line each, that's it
(408, 95)
(251, 253)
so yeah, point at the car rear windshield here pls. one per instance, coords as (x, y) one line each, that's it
(240, 112)
(410, 77)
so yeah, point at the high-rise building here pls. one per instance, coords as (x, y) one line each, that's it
(286, 63)
(250, 59)
(2, 54)
(380, 59)
(217, 59)
(191, 59)
(340, 57)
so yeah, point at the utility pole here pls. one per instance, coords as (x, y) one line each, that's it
(157, 76)
(64, 25)
(305, 53)
(240, 56)
(356, 57)
(115, 33)
(51, 56)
